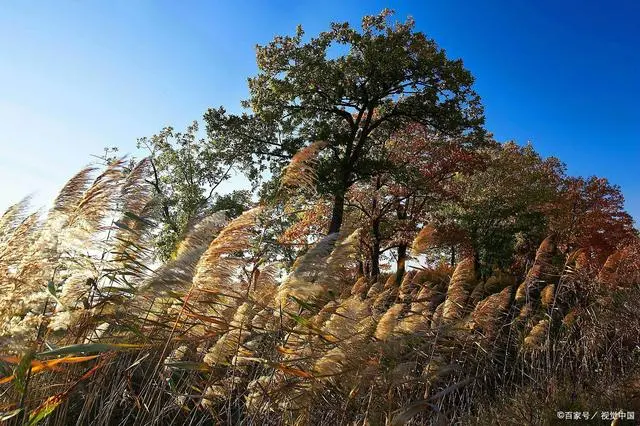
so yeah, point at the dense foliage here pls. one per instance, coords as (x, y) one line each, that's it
(390, 75)
(93, 331)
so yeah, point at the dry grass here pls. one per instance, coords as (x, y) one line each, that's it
(94, 332)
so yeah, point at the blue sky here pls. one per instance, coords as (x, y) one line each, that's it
(76, 76)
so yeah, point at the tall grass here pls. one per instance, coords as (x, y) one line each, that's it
(95, 332)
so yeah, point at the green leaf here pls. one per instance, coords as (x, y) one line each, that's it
(303, 304)
(138, 218)
(89, 348)
(120, 289)
(45, 409)
(186, 365)
(122, 225)
(52, 288)
(22, 370)
(10, 414)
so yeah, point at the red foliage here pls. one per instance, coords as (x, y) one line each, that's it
(589, 214)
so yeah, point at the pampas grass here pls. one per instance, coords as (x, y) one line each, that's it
(300, 172)
(462, 282)
(94, 329)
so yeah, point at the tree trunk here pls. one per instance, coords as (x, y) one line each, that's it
(475, 251)
(402, 259)
(401, 212)
(375, 250)
(375, 230)
(453, 256)
(337, 214)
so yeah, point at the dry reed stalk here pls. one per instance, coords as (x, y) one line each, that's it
(213, 270)
(388, 322)
(608, 273)
(302, 282)
(537, 337)
(73, 191)
(390, 282)
(407, 287)
(525, 312)
(300, 172)
(425, 239)
(462, 282)
(133, 241)
(375, 289)
(498, 281)
(321, 274)
(542, 272)
(11, 218)
(414, 322)
(547, 295)
(360, 287)
(97, 203)
(13, 250)
(488, 313)
(201, 235)
(425, 294)
(331, 363)
(436, 319)
(342, 323)
(477, 294)
(385, 299)
(331, 357)
(571, 317)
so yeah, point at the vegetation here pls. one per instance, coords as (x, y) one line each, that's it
(398, 266)
(389, 76)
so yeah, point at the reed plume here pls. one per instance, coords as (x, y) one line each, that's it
(222, 334)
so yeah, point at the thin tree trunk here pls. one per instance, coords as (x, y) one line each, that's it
(375, 250)
(453, 256)
(401, 265)
(475, 252)
(401, 212)
(337, 214)
(375, 229)
(367, 268)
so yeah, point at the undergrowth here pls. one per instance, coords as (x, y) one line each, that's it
(94, 331)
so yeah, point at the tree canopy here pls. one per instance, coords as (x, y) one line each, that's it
(350, 89)
(377, 128)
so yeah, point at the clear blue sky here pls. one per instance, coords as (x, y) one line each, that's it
(76, 76)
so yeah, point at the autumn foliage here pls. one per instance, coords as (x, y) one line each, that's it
(221, 333)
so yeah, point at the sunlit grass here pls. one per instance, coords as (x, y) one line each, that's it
(95, 331)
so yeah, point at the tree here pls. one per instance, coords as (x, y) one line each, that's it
(233, 204)
(589, 214)
(395, 201)
(184, 175)
(109, 155)
(381, 78)
(425, 163)
(501, 208)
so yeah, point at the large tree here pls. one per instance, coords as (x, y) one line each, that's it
(589, 214)
(419, 165)
(185, 176)
(344, 87)
(502, 208)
